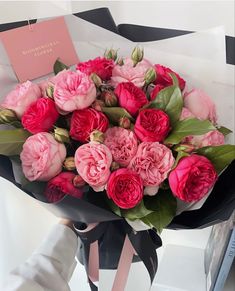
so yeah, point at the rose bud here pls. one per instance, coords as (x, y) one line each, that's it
(111, 54)
(109, 98)
(60, 186)
(150, 76)
(137, 55)
(69, 164)
(120, 62)
(78, 181)
(96, 79)
(7, 116)
(50, 91)
(97, 136)
(125, 122)
(98, 104)
(114, 166)
(61, 135)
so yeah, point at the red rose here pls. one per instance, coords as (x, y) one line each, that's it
(125, 188)
(130, 97)
(83, 122)
(155, 91)
(193, 177)
(40, 116)
(101, 66)
(165, 79)
(152, 125)
(60, 186)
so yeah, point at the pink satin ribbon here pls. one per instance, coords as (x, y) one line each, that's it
(124, 263)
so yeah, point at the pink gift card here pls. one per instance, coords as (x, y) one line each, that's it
(33, 49)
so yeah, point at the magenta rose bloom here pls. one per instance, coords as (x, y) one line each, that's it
(125, 188)
(130, 97)
(165, 79)
(73, 91)
(42, 157)
(128, 73)
(155, 91)
(40, 116)
(101, 66)
(21, 97)
(200, 105)
(152, 125)
(192, 178)
(93, 161)
(83, 122)
(60, 186)
(153, 161)
(122, 144)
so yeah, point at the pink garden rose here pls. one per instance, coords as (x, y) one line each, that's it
(152, 125)
(186, 114)
(130, 97)
(101, 66)
(42, 157)
(200, 105)
(73, 91)
(153, 161)
(122, 144)
(60, 186)
(192, 178)
(125, 188)
(128, 73)
(93, 161)
(165, 79)
(21, 97)
(211, 138)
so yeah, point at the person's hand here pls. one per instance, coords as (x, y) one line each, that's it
(68, 223)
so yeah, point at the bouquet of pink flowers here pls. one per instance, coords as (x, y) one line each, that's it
(121, 126)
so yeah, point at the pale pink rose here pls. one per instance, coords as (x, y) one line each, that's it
(122, 144)
(186, 114)
(211, 138)
(153, 162)
(73, 91)
(128, 73)
(21, 97)
(42, 157)
(200, 105)
(93, 161)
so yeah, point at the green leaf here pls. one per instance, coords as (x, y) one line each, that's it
(187, 127)
(220, 156)
(59, 66)
(136, 212)
(224, 130)
(163, 205)
(170, 101)
(11, 141)
(174, 79)
(115, 113)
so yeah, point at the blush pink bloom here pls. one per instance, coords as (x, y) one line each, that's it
(21, 97)
(122, 144)
(192, 178)
(125, 188)
(93, 161)
(128, 73)
(200, 105)
(73, 91)
(42, 157)
(211, 138)
(186, 114)
(153, 161)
